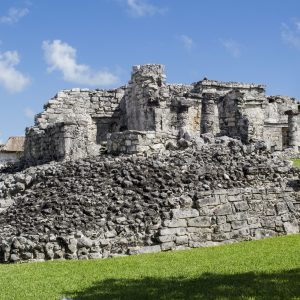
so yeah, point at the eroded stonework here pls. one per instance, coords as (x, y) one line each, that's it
(108, 206)
(149, 114)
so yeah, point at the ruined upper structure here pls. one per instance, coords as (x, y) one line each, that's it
(12, 150)
(150, 114)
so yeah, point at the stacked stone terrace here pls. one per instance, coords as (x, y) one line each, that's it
(108, 206)
(149, 114)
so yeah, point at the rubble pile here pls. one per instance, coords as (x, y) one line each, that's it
(107, 206)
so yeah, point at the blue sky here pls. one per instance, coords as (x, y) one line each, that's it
(51, 45)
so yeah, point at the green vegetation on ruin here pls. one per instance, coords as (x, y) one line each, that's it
(296, 162)
(265, 269)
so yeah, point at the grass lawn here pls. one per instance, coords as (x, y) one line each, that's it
(267, 269)
(296, 162)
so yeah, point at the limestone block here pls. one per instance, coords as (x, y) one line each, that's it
(241, 206)
(226, 227)
(223, 209)
(221, 220)
(268, 222)
(173, 231)
(184, 213)
(166, 238)
(167, 246)
(238, 224)
(180, 240)
(219, 237)
(281, 208)
(207, 201)
(291, 227)
(240, 233)
(235, 198)
(175, 223)
(199, 222)
(143, 250)
(200, 237)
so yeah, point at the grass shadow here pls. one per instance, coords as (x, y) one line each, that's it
(279, 285)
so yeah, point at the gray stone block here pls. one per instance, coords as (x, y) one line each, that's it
(199, 222)
(175, 223)
(223, 209)
(291, 227)
(144, 250)
(167, 246)
(239, 224)
(207, 201)
(172, 231)
(184, 213)
(241, 206)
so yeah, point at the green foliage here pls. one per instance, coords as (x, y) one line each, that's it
(267, 269)
(296, 162)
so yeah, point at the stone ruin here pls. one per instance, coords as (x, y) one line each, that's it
(149, 114)
(203, 170)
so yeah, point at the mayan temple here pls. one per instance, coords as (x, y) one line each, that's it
(149, 114)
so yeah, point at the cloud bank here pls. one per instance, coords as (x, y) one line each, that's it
(187, 42)
(14, 15)
(10, 78)
(291, 36)
(62, 57)
(232, 47)
(141, 8)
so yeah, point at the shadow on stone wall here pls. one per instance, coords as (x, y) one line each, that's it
(280, 285)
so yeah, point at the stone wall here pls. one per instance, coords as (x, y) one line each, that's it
(6, 157)
(108, 206)
(65, 140)
(133, 142)
(148, 103)
(241, 116)
(79, 116)
(210, 219)
(276, 127)
(276, 137)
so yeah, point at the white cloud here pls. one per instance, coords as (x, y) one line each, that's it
(1, 140)
(289, 36)
(12, 79)
(14, 15)
(140, 8)
(233, 47)
(29, 113)
(62, 57)
(187, 42)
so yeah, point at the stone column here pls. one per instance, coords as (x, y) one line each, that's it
(183, 118)
(293, 129)
(142, 97)
(209, 116)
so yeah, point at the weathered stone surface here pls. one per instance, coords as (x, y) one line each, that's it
(291, 227)
(199, 222)
(106, 206)
(223, 209)
(184, 213)
(241, 206)
(143, 250)
(148, 115)
(175, 223)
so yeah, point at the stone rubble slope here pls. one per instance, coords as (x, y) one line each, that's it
(107, 206)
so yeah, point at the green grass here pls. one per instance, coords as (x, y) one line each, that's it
(296, 162)
(267, 269)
